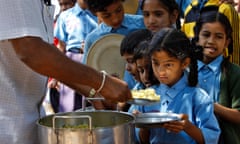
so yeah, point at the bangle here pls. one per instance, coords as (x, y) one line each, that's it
(92, 93)
(103, 81)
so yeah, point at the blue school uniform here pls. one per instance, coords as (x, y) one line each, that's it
(195, 102)
(209, 77)
(140, 108)
(73, 25)
(130, 23)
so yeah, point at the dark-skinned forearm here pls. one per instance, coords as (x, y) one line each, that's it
(47, 60)
(229, 114)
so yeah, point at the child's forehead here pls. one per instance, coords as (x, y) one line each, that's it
(143, 59)
(111, 7)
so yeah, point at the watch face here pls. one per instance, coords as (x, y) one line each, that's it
(92, 93)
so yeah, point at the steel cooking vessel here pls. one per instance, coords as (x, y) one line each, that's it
(103, 127)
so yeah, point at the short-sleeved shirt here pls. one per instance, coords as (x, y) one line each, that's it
(17, 20)
(73, 25)
(130, 23)
(209, 77)
(21, 89)
(195, 102)
(225, 91)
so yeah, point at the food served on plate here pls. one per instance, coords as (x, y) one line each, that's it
(147, 94)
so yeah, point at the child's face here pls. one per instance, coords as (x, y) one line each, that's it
(113, 16)
(156, 15)
(168, 70)
(82, 4)
(213, 38)
(131, 66)
(143, 66)
(65, 4)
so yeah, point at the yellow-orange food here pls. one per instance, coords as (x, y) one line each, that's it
(148, 94)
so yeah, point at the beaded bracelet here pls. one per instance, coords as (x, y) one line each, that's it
(103, 81)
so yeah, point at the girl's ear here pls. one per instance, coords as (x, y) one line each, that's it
(186, 63)
(227, 42)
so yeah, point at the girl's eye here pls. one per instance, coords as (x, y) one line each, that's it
(219, 36)
(158, 14)
(130, 61)
(205, 34)
(145, 14)
(119, 10)
(106, 16)
(168, 65)
(155, 63)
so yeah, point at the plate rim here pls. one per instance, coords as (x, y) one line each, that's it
(94, 45)
(142, 101)
(152, 124)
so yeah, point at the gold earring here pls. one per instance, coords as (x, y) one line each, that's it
(225, 52)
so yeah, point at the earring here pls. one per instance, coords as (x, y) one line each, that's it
(225, 52)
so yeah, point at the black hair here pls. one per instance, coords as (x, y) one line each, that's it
(177, 45)
(170, 6)
(99, 5)
(142, 51)
(209, 15)
(131, 40)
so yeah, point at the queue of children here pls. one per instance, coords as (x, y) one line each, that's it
(221, 87)
(214, 33)
(71, 28)
(229, 122)
(166, 60)
(171, 57)
(113, 20)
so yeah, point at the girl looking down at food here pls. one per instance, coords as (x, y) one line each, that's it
(171, 56)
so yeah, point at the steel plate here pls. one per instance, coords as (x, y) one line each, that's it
(153, 120)
(142, 101)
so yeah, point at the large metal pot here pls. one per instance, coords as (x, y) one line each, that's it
(104, 127)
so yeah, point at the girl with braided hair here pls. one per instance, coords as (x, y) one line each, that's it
(174, 63)
(217, 75)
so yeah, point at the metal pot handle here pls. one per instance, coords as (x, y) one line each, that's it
(96, 98)
(90, 138)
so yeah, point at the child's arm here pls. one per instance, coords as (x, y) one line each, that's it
(185, 125)
(144, 136)
(229, 114)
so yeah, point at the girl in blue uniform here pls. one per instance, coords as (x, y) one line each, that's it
(171, 55)
(143, 68)
(158, 14)
(219, 77)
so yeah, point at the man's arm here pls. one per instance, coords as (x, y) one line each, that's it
(47, 60)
